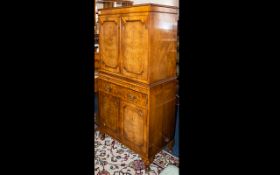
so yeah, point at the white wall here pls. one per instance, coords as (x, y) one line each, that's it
(164, 2)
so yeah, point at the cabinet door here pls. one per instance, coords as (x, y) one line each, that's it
(134, 46)
(109, 43)
(109, 113)
(133, 127)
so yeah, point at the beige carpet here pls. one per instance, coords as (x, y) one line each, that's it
(113, 158)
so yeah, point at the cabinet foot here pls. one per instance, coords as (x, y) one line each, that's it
(170, 146)
(147, 163)
(101, 135)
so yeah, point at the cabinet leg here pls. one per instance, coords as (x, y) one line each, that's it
(101, 135)
(170, 146)
(147, 164)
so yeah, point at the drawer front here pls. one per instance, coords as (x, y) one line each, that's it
(109, 88)
(135, 97)
(124, 93)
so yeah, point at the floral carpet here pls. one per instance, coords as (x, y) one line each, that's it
(113, 158)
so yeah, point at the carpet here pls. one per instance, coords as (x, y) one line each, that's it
(113, 158)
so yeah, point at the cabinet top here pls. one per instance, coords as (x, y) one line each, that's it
(150, 7)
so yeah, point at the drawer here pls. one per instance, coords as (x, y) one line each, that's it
(135, 97)
(110, 88)
(124, 93)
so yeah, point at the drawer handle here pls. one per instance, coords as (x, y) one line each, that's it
(131, 97)
(108, 88)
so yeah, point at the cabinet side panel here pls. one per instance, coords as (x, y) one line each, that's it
(163, 45)
(162, 116)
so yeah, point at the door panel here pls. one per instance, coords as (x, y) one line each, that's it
(134, 46)
(109, 113)
(133, 126)
(109, 43)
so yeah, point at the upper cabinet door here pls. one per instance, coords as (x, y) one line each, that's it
(134, 47)
(109, 43)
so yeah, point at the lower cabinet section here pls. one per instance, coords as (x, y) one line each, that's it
(143, 121)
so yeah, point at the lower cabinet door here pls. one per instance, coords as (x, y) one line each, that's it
(133, 126)
(109, 110)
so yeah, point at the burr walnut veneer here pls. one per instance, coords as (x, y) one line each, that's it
(137, 76)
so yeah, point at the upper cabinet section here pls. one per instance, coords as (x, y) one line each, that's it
(139, 42)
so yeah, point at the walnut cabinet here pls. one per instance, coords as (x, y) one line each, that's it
(137, 76)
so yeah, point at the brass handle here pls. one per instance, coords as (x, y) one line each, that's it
(104, 124)
(131, 97)
(166, 139)
(108, 88)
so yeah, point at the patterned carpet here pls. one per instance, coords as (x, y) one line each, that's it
(113, 158)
